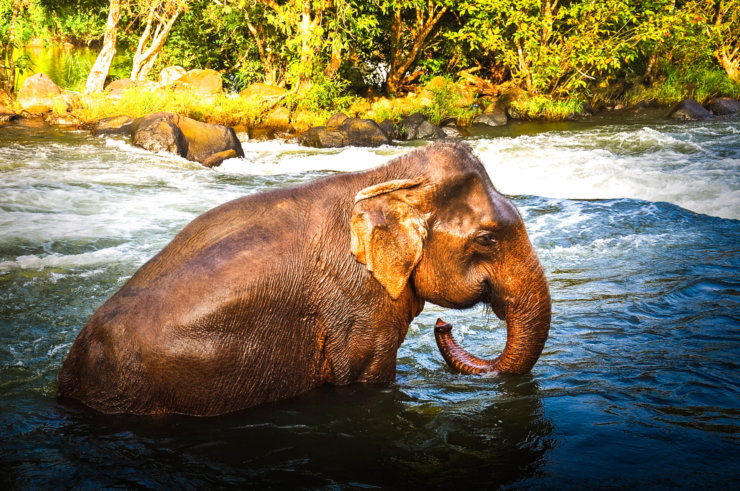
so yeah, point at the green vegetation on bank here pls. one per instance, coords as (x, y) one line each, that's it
(558, 56)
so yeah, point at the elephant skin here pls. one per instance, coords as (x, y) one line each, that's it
(274, 294)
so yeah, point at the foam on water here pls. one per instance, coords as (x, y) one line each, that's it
(649, 164)
(278, 157)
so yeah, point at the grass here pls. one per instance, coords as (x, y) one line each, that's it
(540, 106)
(680, 83)
(439, 100)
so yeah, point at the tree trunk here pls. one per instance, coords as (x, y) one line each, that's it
(99, 72)
(730, 64)
(7, 77)
(306, 29)
(400, 61)
(336, 58)
(145, 57)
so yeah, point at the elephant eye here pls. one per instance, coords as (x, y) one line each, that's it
(485, 239)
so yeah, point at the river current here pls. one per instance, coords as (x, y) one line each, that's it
(636, 222)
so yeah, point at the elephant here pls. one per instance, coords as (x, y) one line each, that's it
(276, 293)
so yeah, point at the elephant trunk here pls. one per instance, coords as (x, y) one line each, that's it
(527, 327)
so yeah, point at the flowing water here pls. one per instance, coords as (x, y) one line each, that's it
(637, 224)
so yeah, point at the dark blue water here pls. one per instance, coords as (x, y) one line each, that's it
(638, 385)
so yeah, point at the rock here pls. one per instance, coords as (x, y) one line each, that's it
(323, 137)
(337, 120)
(278, 118)
(217, 158)
(209, 144)
(364, 133)
(494, 115)
(158, 133)
(206, 140)
(418, 127)
(206, 82)
(689, 110)
(116, 125)
(119, 85)
(722, 106)
(115, 89)
(262, 91)
(261, 134)
(170, 74)
(515, 113)
(451, 129)
(389, 128)
(351, 132)
(62, 119)
(7, 114)
(38, 93)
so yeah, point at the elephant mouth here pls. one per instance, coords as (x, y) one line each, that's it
(492, 301)
(527, 320)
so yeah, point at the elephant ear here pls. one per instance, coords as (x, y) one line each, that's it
(388, 232)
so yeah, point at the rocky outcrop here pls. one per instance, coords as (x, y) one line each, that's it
(158, 133)
(62, 119)
(170, 74)
(342, 131)
(452, 129)
(116, 125)
(209, 144)
(278, 119)
(418, 127)
(722, 106)
(689, 110)
(39, 94)
(494, 115)
(205, 83)
(389, 128)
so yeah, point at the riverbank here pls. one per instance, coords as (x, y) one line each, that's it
(448, 109)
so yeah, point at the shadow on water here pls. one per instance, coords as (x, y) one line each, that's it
(355, 436)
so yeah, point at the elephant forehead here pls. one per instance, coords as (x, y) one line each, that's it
(475, 205)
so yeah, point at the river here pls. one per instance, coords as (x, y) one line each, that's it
(636, 222)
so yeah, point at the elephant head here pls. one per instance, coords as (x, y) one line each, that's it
(450, 238)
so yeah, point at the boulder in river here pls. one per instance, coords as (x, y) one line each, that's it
(115, 125)
(689, 110)
(342, 131)
(494, 115)
(722, 106)
(209, 144)
(39, 94)
(417, 127)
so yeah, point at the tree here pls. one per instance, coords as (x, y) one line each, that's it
(159, 17)
(724, 33)
(99, 71)
(412, 28)
(11, 15)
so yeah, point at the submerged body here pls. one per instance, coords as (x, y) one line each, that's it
(274, 294)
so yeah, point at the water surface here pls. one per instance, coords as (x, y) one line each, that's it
(637, 226)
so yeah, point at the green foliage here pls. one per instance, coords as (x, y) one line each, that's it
(539, 106)
(561, 52)
(700, 82)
